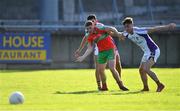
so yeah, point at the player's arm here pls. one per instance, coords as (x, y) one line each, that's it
(121, 36)
(78, 51)
(114, 32)
(161, 28)
(88, 52)
(111, 30)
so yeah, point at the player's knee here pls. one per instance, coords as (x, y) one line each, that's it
(142, 70)
(112, 69)
(146, 70)
(101, 71)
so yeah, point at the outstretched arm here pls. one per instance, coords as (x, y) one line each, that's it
(114, 32)
(88, 52)
(111, 30)
(78, 51)
(162, 28)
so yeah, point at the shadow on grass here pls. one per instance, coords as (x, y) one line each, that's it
(127, 93)
(112, 92)
(77, 92)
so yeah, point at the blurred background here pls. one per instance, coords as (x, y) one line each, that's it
(64, 20)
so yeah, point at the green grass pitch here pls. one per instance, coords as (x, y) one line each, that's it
(75, 90)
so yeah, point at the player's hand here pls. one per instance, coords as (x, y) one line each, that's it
(80, 59)
(76, 53)
(120, 36)
(172, 26)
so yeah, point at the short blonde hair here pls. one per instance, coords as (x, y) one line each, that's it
(127, 20)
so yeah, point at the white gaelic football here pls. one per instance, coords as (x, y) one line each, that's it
(16, 98)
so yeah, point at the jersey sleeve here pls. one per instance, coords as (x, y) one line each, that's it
(100, 25)
(101, 29)
(125, 34)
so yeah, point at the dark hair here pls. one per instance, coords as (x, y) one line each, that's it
(88, 23)
(91, 16)
(127, 20)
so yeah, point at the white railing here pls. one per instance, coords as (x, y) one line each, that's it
(57, 25)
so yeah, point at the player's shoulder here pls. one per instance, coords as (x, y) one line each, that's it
(140, 30)
(100, 26)
(90, 37)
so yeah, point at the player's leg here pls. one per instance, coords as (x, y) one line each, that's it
(153, 76)
(143, 77)
(118, 63)
(116, 75)
(97, 75)
(147, 68)
(102, 61)
(101, 70)
(112, 67)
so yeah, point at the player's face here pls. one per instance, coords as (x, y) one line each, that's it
(90, 28)
(128, 28)
(94, 21)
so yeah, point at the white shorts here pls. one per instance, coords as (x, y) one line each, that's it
(147, 55)
(96, 51)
